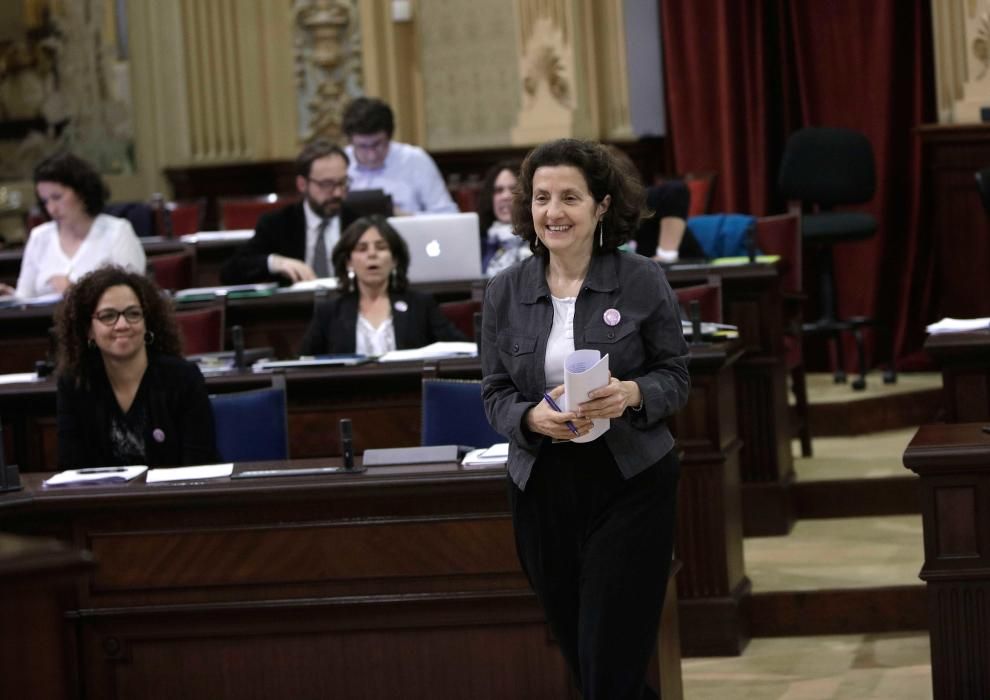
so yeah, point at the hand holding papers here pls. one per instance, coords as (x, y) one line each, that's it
(585, 371)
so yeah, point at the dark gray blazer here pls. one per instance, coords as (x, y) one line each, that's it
(646, 346)
(282, 232)
(416, 318)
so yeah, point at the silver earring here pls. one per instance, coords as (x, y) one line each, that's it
(149, 337)
(350, 278)
(91, 344)
(601, 233)
(394, 277)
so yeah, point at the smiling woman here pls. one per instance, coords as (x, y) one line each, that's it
(593, 519)
(124, 394)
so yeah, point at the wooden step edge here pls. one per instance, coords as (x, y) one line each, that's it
(838, 611)
(855, 498)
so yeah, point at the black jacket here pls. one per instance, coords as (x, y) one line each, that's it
(415, 316)
(644, 342)
(179, 414)
(282, 232)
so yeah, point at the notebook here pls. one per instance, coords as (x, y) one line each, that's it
(442, 247)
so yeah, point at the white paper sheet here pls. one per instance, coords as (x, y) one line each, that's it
(958, 325)
(205, 471)
(487, 456)
(432, 352)
(585, 371)
(227, 236)
(18, 378)
(313, 285)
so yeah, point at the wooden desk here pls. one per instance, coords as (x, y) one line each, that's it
(37, 580)
(278, 321)
(751, 299)
(401, 582)
(953, 462)
(713, 587)
(383, 402)
(965, 362)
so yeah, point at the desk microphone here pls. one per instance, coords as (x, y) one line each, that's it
(751, 242)
(347, 442)
(237, 338)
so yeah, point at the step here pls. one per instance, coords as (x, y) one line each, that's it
(838, 409)
(838, 576)
(855, 476)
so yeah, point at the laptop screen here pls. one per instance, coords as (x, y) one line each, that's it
(360, 203)
(442, 247)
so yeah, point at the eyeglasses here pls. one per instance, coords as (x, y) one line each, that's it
(330, 185)
(108, 317)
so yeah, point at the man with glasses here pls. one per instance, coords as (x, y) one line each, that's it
(404, 171)
(294, 243)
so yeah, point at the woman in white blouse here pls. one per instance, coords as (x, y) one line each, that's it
(79, 238)
(375, 311)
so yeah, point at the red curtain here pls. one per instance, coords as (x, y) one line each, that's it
(741, 76)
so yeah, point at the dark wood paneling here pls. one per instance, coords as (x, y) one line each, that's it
(960, 231)
(953, 461)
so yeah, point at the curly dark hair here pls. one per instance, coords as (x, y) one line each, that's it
(605, 173)
(486, 210)
(349, 239)
(74, 316)
(368, 115)
(75, 173)
(321, 148)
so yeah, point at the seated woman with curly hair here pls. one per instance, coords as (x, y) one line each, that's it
(125, 395)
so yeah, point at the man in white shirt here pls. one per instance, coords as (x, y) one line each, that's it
(295, 243)
(404, 171)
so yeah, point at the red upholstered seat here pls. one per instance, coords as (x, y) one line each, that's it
(202, 330)
(244, 212)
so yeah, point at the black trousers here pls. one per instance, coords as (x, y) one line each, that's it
(597, 548)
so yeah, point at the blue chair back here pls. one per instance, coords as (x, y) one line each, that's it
(453, 414)
(252, 426)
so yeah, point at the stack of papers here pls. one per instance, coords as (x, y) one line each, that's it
(229, 290)
(721, 330)
(492, 456)
(199, 473)
(313, 285)
(226, 236)
(95, 476)
(958, 325)
(312, 361)
(434, 351)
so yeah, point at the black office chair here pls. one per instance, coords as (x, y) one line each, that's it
(983, 187)
(822, 168)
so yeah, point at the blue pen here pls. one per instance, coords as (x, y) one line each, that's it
(554, 406)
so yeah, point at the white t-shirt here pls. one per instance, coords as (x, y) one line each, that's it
(409, 175)
(560, 344)
(110, 241)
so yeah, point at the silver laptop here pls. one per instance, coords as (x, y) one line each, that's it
(442, 247)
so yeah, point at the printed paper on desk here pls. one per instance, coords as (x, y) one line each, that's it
(585, 371)
(198, 473)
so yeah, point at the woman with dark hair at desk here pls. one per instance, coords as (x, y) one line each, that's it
(376, 312)
(500, 246)
(125, 396)
(594, 521)
(79, 238)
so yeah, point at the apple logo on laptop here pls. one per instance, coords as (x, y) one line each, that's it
(433, 248)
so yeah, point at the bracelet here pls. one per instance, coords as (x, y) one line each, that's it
(667, 256)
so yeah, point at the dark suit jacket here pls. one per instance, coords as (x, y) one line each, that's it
(177, 404)
(333, 329)
(282, 232)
